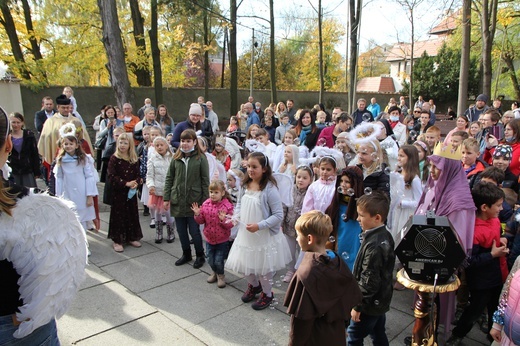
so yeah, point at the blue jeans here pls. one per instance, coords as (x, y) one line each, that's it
(46, 335)
(216, 254)
(185, 224)
(368, 325)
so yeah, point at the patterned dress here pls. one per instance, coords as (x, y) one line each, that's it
(124, 217)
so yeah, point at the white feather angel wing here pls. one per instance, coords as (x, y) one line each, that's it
(254, 146)
(285, 184)
(396, 193)
(47, 246)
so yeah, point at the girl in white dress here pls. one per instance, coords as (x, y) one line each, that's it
(291, 161)
(260, 248)
(76, 176)
(406, 190)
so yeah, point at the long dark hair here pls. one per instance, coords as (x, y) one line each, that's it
(411, 168)
(268, 174)
(298, 128)
(355, 174)
(166, 119)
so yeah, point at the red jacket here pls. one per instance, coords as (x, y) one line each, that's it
(327, 133)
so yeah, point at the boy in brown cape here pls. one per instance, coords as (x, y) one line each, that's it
(323, 290)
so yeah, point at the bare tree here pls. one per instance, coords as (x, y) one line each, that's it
(410, 6)
(355, 22)
(464, 61)
(233, 60)
(487, 10)
(139, 67)
(156, 55)
(115, 52)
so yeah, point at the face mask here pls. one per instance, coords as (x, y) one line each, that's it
(188, 151)
(410, 127)
(394, 117)
(509, 139)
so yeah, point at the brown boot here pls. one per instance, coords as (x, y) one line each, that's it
(221, 280)
(212, 278)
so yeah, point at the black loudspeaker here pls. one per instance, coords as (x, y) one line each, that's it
(430, 246)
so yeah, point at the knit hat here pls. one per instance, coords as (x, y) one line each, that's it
(221, 140)
(62, 100)
(195, 109)
(503, 150)
(482, 97)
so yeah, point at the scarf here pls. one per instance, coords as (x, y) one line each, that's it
(303, 135)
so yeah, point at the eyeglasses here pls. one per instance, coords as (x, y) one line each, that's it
(417, 111)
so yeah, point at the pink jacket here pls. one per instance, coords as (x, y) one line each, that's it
(215, 231)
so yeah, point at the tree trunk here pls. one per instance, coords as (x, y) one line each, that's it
(206, 53)
(512, 74)
(140, 67)
(156, 55)
(224, 58)
(35, 46)
(115, 53)
(412, 47)
(355, 20)
(274, 97)
(464, 60)
(233, 67)
(488, 23)
(320, 57)
(8, 24)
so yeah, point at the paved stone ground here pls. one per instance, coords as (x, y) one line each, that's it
(140, 297)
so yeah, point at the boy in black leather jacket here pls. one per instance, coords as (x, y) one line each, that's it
(373, 271)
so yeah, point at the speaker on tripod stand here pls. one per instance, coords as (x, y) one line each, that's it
(430, 246)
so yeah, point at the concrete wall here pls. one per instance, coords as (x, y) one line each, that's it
(10, 97)
(90, 99)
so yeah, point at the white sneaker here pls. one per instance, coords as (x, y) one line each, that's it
(152, 223)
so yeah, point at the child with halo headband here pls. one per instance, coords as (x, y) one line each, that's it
(157, 167)
(370, 158)
(76, 176)
(260, 249)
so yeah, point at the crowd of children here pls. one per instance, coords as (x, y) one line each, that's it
(339, 219)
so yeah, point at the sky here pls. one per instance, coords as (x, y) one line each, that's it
(382, 21)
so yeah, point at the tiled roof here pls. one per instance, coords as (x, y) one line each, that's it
(376, 84)
(448, 24)
(400, 51)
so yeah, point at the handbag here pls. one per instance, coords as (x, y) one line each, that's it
(101, 142)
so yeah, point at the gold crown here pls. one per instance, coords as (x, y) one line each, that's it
(447, 151)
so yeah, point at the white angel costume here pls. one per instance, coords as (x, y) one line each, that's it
(264, 251)
(75, 182)
(404, 201)
(50, 260)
